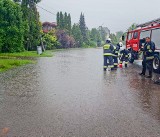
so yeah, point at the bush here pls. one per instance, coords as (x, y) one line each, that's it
(92, 44)
(65, 40)
(89, 44)
(51, 41)
(11, 27)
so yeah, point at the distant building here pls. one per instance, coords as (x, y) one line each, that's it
(107, 31)
(47, 26)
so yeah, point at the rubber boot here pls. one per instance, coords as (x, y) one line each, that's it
(150, 74)
(143, 72)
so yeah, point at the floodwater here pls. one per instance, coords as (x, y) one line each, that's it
(69, 95)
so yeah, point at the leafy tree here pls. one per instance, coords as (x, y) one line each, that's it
(50, 40)
(30, 3)
(99, 39)
(114, 39)
(119, 35)
(93, 34)
(32, 22)
(65, 40)
(103, 33)
(96, 36)
(17, 0)
(132, 27)
(11, 28)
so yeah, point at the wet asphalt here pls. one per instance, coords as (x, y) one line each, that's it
(69, 95)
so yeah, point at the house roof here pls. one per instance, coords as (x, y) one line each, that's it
(53, 24)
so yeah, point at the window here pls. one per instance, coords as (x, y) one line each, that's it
(129, 36)
(156, 37)
(135, 35)
(145, 34)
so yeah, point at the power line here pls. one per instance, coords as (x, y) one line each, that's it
(46, 10)
(46, 6)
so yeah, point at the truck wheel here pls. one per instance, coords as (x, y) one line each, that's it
(131, 58)
(156, 64)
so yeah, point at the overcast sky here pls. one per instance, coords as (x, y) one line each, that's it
(115, 14)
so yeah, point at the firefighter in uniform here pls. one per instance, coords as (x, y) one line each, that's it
(108, 55)
(124, 56)
(148, 56)
(116, 52)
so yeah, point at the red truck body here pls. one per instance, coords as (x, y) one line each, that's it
(136, 38)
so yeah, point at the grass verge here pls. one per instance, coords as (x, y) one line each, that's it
(27, 54)
(6, 64)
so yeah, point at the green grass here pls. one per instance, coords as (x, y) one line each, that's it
(6, 64)
(27, 54)
(10, 60)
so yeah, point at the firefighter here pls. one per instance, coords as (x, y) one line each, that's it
(116, 52)
(124, 56)
(148, 56)
(108, 55)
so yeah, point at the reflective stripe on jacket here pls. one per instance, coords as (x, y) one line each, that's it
(108, 50)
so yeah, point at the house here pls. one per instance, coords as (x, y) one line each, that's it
(107, 31)
(47, 26)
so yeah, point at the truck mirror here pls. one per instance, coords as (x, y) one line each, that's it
(123, 38)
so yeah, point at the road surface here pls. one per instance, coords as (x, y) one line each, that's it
(69, 95)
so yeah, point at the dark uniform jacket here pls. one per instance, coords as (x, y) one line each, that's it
(116, 49)
(124, 53)
(149, 49)
(108, 49)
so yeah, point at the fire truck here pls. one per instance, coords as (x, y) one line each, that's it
(136, 38)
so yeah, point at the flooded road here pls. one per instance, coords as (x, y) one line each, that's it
(69, 95)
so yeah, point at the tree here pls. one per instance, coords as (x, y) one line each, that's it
(69, 23)
(99, 39)
(17, 0)
(58, 19)
(76, 33)
(114, 39)
(119, 35)
(50, 40)
(12, 27)
(61, 21)
(30, 3)
(83, 27)
(102, 33)
(65, 40)
(65, 21)
(32, 22)
(95, 35)
(132, 27)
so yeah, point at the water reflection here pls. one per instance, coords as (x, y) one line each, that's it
(147, 95)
